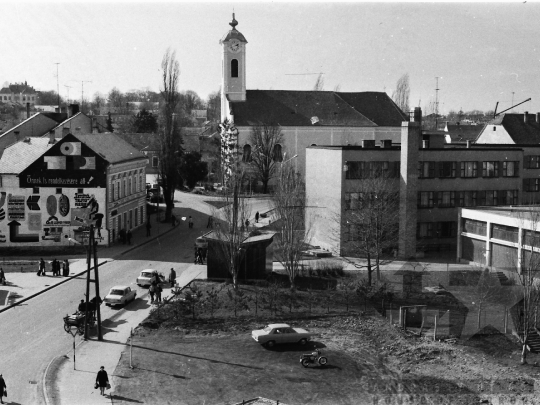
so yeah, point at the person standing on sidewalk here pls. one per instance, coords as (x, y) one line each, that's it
(152, 291)
(158, 293)
(41, 271)
(257, 217)
(66, 268)
(190, 222)
(3, 389)
(102, 380)
(172, 277)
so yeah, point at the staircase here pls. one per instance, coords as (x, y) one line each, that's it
(533, 340)
(502, 278)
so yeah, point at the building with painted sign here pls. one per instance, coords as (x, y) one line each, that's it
(52, 191)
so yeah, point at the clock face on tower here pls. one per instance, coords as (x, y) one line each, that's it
(234, 46)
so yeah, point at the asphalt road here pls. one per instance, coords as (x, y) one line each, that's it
(32, 334)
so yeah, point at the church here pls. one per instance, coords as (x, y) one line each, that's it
(306, 118)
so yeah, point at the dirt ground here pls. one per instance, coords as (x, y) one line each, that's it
(215, 361)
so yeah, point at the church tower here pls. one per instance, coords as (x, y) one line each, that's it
(233, 80)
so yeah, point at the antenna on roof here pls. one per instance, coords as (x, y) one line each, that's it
(529, 99)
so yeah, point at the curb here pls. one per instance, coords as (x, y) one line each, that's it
(51, 287)
(145, 242)
(48, 383)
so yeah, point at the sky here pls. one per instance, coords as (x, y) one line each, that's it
(482, 53)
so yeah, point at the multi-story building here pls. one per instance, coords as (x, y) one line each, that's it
(18, 94)
(51, 191)
(433, 180)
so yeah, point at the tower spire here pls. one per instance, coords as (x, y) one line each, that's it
(233, 23)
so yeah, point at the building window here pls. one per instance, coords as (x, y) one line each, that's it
(277, 155)
(425, 199)
(141, 183)
(531, 238)
(532, 162)
(490, 169)
(469, 169)
(246, 157)
(234, 68)
(117, 191)
(155, 161)
(130, 185)
(124, 189)
(446, 199)
(494, 128)
(35, 190)
(467, 199)
(447, 229)
(351, 201)
(447, 170)
(504, 232)
(424, 230)
(426, 170)
(510, 169)
(475, 227)
(508, 197)
(58, 191)
(531, 185)
(112, 191)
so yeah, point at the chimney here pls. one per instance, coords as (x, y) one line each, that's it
(526, 117)
(27, 110)
(52, 139)
(417, 114)
(63, 110)
(17, 136)
(538, 118)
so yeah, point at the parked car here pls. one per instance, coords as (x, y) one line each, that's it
(277, 333)
(146, 277)
(120, 295)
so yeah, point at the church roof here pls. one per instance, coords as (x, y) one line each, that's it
(297, 108)
(233, 34)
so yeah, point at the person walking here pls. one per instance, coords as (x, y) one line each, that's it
(53, 265)
(172, 277)
(129, 236)
(152, 291)
(148, 227)
(190, 222)
(41, 271)
(3, 389)
(66, 268)
(63, 267)
(257, 217)
(210, 223)
(102, 380)
(158, 293)
(247, 224)
(2, 276)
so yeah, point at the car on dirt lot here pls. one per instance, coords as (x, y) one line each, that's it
(278, 333)
(120, 295)
(146, 277)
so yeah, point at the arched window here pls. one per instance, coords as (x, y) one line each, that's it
(278, 155)
(246, 157)
(234, 68)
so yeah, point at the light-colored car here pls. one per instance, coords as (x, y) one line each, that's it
(277, 333)
(146, 277)
(120, 295)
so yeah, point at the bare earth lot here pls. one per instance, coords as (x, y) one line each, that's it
(215, 361)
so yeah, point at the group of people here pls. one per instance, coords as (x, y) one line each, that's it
(57, 267)
(125, 236)
(155, 288)
(200, 255)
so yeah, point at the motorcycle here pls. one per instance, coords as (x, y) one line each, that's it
(313, 358)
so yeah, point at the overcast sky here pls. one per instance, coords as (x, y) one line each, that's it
(481, 52)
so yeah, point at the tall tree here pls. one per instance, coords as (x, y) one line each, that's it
(265, 153)
(193, 169)
(144, 122)
(117, 100)
(98, 102)
(402, 93)
(289, 202)
(191, 101)
(169, 136)
(49, 97)
(213, 106)
(371, 218)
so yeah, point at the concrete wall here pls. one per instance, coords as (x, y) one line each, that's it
(324, 194)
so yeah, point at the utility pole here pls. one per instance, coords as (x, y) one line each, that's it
(512, 101)
(436, 101)
(82, 91)
(57, 85)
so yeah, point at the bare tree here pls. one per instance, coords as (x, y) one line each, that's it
(402, 93)
(319, 84)
(169, 135)
(231, 232)
(487, 289)
(371, 217)
(265, 153)
(289, 201)
(213, 105)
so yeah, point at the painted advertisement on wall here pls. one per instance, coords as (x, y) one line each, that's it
(67, 164)
(53, 216)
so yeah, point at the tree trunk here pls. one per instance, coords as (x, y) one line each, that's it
(265, 186)
(479, 314)
(524, 352)
(369, 268)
